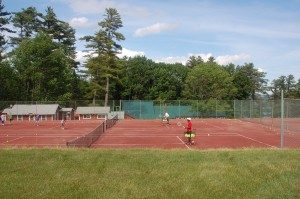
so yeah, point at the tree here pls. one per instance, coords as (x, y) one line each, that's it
(285, 83)
(138, 78)
(104, 47)
(29, 23)
(61, 32)
(43, 69)
(249, 81)
(168, 81)
(10, 88)
(4, 20)
(208, 81)
(194, 61)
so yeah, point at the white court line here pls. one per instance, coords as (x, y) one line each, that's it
(183, 142)
(257, 141)
(131, 144)
(11, 140)
(247, 137)
(140, 136)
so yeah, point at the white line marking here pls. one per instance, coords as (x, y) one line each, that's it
(257, 141)
(131, 144)
(12, 140)
(183, 142)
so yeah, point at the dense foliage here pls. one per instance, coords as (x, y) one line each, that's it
(38, 54)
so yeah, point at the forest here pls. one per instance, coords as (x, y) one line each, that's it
(38, 63)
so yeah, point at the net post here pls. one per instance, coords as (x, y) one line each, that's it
(282, 122)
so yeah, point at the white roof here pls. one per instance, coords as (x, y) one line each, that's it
(93, 110)
(66, 109)
(25, 109)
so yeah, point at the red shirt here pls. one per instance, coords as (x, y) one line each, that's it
(189, 126)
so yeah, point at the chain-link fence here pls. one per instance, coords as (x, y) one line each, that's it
(268, 112)
(265, 112)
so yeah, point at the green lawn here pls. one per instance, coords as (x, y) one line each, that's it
(75, 173)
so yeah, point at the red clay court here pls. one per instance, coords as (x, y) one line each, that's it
(210, 134)
(47, 134)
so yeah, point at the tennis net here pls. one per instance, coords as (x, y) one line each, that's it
(93, 136)
(111, 122)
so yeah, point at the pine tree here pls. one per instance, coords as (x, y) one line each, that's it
(102, 62)
(4, 20)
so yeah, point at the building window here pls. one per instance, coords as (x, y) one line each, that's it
(86, 116)
(20, 117)
(31, 117)
(101, 117)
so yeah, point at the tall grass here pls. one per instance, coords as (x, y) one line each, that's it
(48, 173)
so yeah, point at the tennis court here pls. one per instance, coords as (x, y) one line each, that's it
(210, 133)
(47, 134)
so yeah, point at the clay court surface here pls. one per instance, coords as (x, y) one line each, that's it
(47, 134)
(210, 133)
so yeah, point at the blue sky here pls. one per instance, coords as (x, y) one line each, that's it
(264, 32)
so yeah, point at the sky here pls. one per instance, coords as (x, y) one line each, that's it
(263, 32)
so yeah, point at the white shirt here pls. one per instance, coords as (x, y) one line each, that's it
(166, 114)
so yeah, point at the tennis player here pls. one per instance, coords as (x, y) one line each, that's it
(2, 117)
(189, 134)
(166, 117)
(62, 123)
(37, 119)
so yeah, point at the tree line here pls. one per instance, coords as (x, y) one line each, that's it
(37, 63)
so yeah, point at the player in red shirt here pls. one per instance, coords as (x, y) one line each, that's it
(189, 134)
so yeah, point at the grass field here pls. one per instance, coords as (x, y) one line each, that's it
(75, 173)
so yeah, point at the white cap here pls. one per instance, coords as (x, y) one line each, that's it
(188, 118)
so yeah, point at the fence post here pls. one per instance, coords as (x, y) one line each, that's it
(179, 109)
(282, 122)
(251, 104)
(216, 111)
(197, 108)
(140, 109)
(272, 116)
(241, 108)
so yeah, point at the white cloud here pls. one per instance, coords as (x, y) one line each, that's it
(130, 53)
(172, 60)
(222, 59)
(80, 56)
(226, 59)
(80, 22)
(90, 6)
(155, 28)
(205, 57)
(98, 6)
(261, 70)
